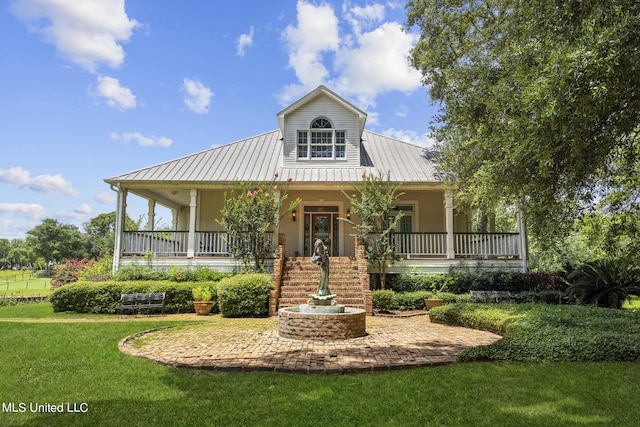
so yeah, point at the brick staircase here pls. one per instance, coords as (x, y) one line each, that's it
(300, 277)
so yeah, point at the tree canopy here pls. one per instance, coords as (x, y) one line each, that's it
(540, 102)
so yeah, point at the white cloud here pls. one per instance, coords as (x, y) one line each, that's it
(316, 33)
(42, 183)
(363, 17)
(370, 60)
(116, 96)
(105, 198)
(244, 41)
(87, 32)
(378, 64)
(410, 136)
(198, 96)
(83, 209)
(143, 141)
(30, 210)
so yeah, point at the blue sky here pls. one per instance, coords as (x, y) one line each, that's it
(91, 89)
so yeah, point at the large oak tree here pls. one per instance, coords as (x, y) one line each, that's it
(540, 102)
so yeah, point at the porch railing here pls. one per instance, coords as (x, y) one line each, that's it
(466, 245)
(160, 243)
(487, 245)
(176, 243)
(420, 244)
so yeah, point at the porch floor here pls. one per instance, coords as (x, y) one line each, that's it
(254, 345)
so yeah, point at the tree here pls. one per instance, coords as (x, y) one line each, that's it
(55, 241)
(5, 251)
(250, 211)
(540, 101)
(100, 232)
(374, 205)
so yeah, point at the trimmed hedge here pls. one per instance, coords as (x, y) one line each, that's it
(386, 300)
(546, 333)
(87, 297)
(244, 295)
(462, 283)
(138, 272)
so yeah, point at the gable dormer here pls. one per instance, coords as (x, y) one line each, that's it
(321, 129)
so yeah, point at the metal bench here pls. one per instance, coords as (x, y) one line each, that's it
(137, 302)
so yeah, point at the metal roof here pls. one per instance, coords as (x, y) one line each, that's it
(259, 157)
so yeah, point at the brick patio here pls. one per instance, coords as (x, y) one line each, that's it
(254, 345)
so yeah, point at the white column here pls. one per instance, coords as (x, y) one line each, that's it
(151, 213)
(448, 205)
(121, 215)
(191, 249)
(522, 231)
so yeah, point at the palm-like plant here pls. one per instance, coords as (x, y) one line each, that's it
(605, 283)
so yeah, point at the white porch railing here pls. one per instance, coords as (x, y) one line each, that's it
(175, 243)
(420, 244)
(487, 245)
(160, 243)
(466, 245)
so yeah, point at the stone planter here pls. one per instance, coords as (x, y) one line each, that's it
(429, 303)
(203, 308)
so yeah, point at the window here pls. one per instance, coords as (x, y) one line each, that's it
(321, 141)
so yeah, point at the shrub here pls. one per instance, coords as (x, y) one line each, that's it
(383, 299)
(411, 300)
(68, 272)
(98, 270)
(462, 283)
(86, 297)
(605, 283)
(545, 333)
(136, 272)
(244, 295)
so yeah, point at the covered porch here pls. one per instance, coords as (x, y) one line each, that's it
(434, 238)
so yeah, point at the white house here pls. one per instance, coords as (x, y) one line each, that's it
(322, 145)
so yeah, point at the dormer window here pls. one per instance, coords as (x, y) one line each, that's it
(321, 141)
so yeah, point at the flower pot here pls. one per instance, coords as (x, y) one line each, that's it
(203, 308)
(432, 302)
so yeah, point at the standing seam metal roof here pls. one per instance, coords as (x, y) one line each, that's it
(259, 157)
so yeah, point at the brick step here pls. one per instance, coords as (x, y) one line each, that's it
(334, 289)
(351, 302)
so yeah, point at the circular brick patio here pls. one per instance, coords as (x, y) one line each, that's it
(254, 345)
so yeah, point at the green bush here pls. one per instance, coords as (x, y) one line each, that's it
(461, 283)
(86, 297)
(245, 295)
(605, 283)
(387, 300)
(411, 300)
(137, 272)
(546, 333)
(383, 299)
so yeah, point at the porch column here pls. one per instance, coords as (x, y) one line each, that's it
(121, 214)
(151, 214)
(448, 205)
(522, 231)
(191, 245)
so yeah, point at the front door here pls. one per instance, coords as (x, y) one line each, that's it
(321, 222)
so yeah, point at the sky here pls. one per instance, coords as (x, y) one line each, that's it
(90, 89)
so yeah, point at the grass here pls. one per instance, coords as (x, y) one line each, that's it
(79, 362)
(18, 282)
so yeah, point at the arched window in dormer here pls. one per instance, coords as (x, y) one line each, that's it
(321, 141)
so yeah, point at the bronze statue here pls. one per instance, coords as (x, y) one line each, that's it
(321, 258)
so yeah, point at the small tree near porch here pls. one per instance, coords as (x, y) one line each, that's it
(377, 199)
(250, 212)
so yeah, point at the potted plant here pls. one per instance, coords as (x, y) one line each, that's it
(202, 300)
(436, 299)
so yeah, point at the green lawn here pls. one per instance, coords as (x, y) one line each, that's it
(20, 282)
(53, 361)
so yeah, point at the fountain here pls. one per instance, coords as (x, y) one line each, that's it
(321, 318)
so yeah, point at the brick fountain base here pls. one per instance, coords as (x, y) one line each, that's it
(321, 326)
